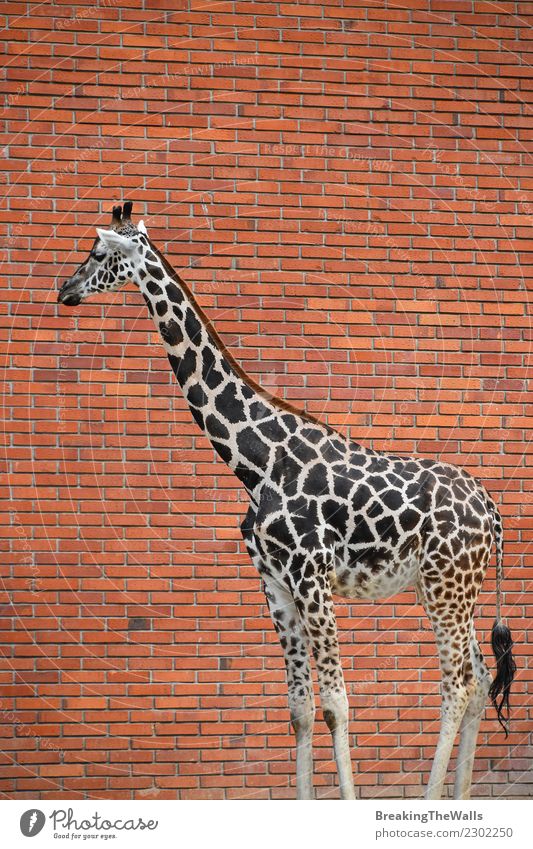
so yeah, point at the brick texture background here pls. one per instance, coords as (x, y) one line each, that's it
(348, 188)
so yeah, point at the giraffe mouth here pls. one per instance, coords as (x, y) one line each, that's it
(68, 295)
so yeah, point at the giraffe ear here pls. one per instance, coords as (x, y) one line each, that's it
(114, 241)
(141, 227)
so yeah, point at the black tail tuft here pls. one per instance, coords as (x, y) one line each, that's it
(502, 644)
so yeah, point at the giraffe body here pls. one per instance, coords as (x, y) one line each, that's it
(377, 520)
(327, 517)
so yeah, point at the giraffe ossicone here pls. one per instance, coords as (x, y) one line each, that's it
(328, 517)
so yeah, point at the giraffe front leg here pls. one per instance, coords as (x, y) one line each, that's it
(299, 683)
(321, 625)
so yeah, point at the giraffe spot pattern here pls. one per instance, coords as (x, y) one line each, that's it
(229, 405)
(171, 332)
(193, 328)
(154, 288)
(186, 367)
(154, 271)
(174, 293)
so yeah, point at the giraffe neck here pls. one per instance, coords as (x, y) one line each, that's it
(244, 424)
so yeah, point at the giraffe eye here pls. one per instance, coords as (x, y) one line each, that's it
(98, 256)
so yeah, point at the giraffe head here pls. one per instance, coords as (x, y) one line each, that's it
(112, 261)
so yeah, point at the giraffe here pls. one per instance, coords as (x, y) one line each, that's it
(328, 517)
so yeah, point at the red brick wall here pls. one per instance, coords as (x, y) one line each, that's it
(348, 188)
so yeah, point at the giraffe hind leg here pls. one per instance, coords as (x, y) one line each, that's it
(454, 702)
(452, 624)
(471, 722)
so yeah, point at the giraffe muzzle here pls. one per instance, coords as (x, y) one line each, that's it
(69, 294)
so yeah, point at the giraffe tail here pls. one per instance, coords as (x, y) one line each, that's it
(501, 639)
